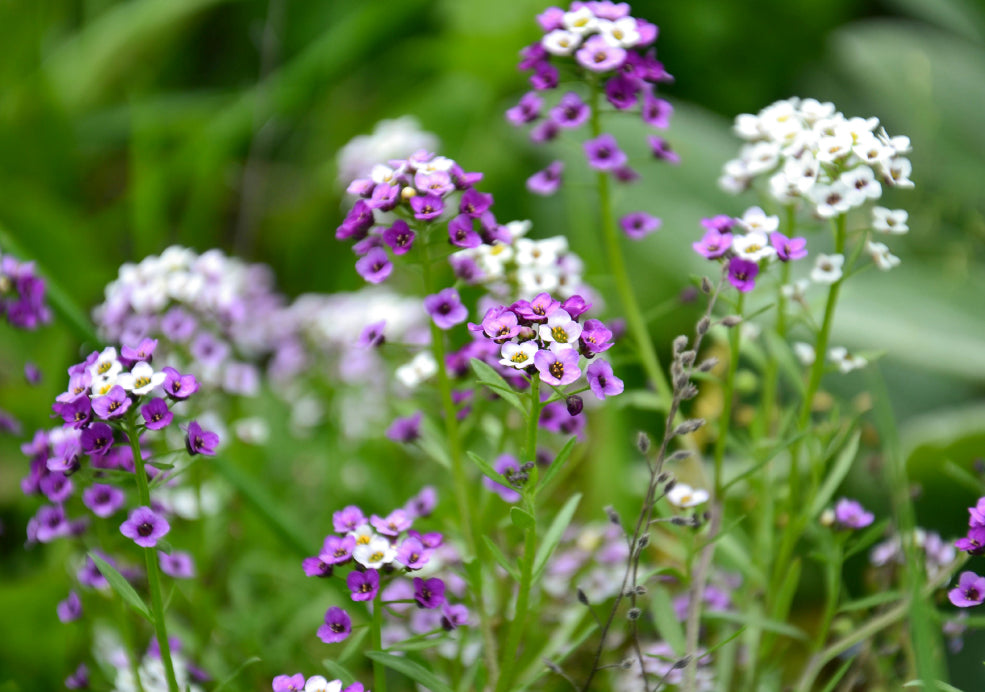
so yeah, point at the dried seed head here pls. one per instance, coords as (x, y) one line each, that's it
(640, 590)
(670, 485)
(527, 466)
(582, 598)
(708, 364)
(681, 381)
(642, 442)
(663, 477)
(644, 541)
(689, 392)
(705, 284)
(613, 515)
(689, 426)
(703, 324)
(634, 613)
(680, 521)
(731, 321)
(626, 663)
(687, 357)
(682, 663)
(680, 455)
(680, 343)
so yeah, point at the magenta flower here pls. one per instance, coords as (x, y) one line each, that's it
(290, 683)
(348, 519)
(788, 248)
(545, 77)
(429, 593)
(597, 55)
(78, 680)
(601, 380)
(336, 628)
(547, 181)
(604, 153)
(622, 92)
(527, 110)
(558, 369)
(405, 429)
(77, 412)
(571, 111)
(156, 414)
(461, 232)
(144, 351)
(969, 592)
(445, 308)
(974, 542)
(178, 565)
(453, 616)
(536, 310)
(639, 224)
(475, 203)
(145, 527)
(660, 149)
(200, 441)
(385, 197)
(103, 500)
(412, 554)
(713, 244)
(656, 111)
(70, 609)
(374, 266)
(427, 207)
(113, 405)
(358, 221)
(849, 514)
(316, 566)
(97, 439)
(363, 585)
(395, 523)
(178, 386)
(399, 237)
(977, 513)
(544, 131)
(499, 323)
(595, 336)
(337, 550)
(421, 505)
(742, 274)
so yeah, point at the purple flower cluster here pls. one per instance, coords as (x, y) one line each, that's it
(970, 590)
(406, 193)
(316, 683)
(850, 515)
(375, 547)
(747, 254)
(22, 292)
(602, 42)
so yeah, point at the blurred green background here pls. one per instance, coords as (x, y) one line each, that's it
(129, 126)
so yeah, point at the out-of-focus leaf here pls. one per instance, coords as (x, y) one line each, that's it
(413, 670)
(842, 465)
(121, 586)
(553, 535)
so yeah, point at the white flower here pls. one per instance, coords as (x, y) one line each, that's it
(141, 379)
(364, 534)
(901, 145)
(889, 220)
(417, 370)
(804, 352)
(831, 200)
(682, 495)
(621, 33)
(831, 148)
(254, 431)
(863, 181)
(101, 385)
(518, 356)
(796, 291)
(859, 128)
(897, 172)
(561, 330)
(106, 365)
(518, 229)
(881, 256)
(812, 110)
(534, 280)
(748, 126)
(755, 219)
(317, 683)
(872, 151)
(845, 361)
(753, 247)
(581, 21)
(375, 554)
(560, 42)
(760, 157)
(827, 269)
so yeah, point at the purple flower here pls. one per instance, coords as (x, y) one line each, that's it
(49, 523)
(103, 500)
(399, 237)
(597, 55)
(144, 527)
(849, 514)
(363, 585)
(395, 523)
(508, 466)
(200, 441)
(461, 232)
(89, 575)
(625, 174)
(412, 554)
(372, 335)
(742, 274)
(571, 111)
(374, 266)
(337, 626)
(178, 325)
(438, 183)
(576, 306)
(977, 513)
(422, 504)
(178, 386)
(558, 369)
(547, 181)
(156, 414)
(348, 519)
(550, 19)
(475, 203)
(545, 76)
(293, 683)
(453, 616)
(544, 131)
(96, 439)
(79, 680)
(661, 149)
(32, 373)
(622, 92)
(427, 207)
(969, 592)
(209, 350)
(178, 565)
(405, 429)
(527, 110)
(56, 487)
(316, 566)
(429, 593)
(77, 412)
(788, 248)
(385, 197)
(595, 336)
(713, 243)
(337, 550)
(536, 310)
(601, 380)
(656, 111)
(358, 221)
(144, 351)
(499, 324)
(604, 153)
(974, 542)
(639, 224)
(70, 609)
(445, 308)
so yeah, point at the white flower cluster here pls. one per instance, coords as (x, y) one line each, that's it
(391, 139)
(525, 267)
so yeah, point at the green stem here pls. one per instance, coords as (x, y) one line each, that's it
(533, 419)
(376, 642)
(150, 555)
(617, 263)
(728, 392)
(832, 594)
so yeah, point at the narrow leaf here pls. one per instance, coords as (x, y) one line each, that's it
(501, 559)
(248, 662)
(487, 470)
(413, 670)
(489, 377)
(752, 621)
(522, 519)
(337, 670)
(121, 586)
(557, 464)
(836, 476)
(666, 618)
(554, 533)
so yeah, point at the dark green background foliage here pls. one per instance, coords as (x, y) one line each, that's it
(129, 126)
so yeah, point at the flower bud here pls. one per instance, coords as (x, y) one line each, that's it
(731, 321)
(642, 442)
(574, 404)
(634, 613)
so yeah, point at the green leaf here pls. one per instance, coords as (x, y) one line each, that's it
(938, 685)
(666, 619)
(522, 519)
(867, 538)
(839, 674)
(837, 474)
(643, 399)
(337, 670)
(488, 471)
(492, 379)
(753, 621)
(556, 465)
(962, 476)
(413, 670)
(871, 601)
(554, 533)
(501, 559)
(121, 586)
(353, 645)
(235, 674)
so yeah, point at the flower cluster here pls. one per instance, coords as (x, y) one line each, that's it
(523, 267)
(606, 46)
(420, 188)
(748, 252)
(938, 554)
(390, 139)
(316, 683)
(375, 548)
(970, 590)
(544, 336)
(22, 294)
